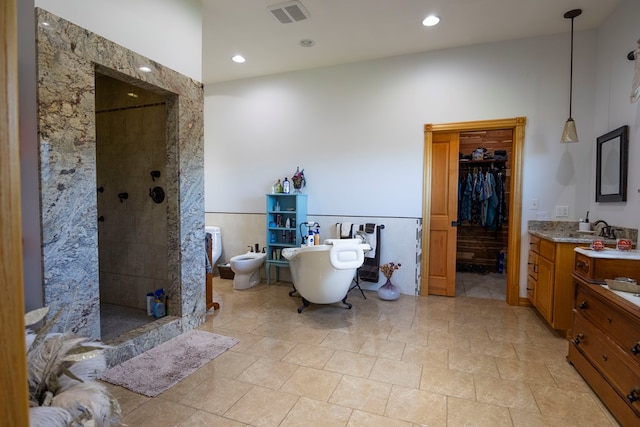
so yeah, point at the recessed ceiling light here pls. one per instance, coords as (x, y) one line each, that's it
(307, 43)
(430, 21)
(238, 58)
(144, 69)
(132, 94)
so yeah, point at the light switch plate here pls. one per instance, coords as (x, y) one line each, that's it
(562, 211)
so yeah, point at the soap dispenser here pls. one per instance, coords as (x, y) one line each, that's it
(316, 237)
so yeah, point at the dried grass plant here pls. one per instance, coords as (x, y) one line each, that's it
(62, 373)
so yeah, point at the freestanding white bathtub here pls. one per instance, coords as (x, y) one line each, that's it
(322, 274)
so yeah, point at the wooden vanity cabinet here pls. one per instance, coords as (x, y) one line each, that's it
(549, 281)
(605, 337)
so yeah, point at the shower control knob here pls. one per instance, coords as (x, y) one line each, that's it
(156, 194)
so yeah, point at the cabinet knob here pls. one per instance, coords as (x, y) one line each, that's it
(636, 348)
(582, 305)
(634, 394)
(605, 357)
(582, 265)
(578, 339)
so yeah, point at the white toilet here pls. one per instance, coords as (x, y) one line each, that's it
(247, 269)
(216, 243)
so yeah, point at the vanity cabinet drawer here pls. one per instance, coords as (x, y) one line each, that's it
(531, 289)
(599, 269)
(548, 250)
(622, 371)
(534, 243)
(532, 265)
(583, 265)
(623, 329)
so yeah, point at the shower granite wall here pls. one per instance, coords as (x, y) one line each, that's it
(67, 58)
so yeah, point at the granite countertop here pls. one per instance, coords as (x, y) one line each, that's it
(567, 232)
(610, 253)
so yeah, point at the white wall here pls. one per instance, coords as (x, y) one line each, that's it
(166, 31)
(357, 129)
(616, 38)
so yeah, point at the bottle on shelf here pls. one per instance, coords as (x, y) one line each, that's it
(285, 186)
(316, 237)
(310, 240)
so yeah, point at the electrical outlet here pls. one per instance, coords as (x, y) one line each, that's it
(534, 204)
(562, 211)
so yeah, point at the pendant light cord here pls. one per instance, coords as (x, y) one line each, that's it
(571, 72)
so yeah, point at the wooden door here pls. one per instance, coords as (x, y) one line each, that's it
(444, 213)
(515, 205)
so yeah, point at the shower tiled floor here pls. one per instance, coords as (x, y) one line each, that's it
(116, 320)
(416, 361)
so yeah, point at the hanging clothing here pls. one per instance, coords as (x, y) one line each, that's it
(481, 198)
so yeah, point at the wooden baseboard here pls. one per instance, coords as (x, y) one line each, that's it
(524, 302)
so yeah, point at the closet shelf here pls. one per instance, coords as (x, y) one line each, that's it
(480, 162)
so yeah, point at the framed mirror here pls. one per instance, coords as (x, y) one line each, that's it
(611, 165)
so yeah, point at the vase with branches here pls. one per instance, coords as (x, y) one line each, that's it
(299, 181)
(389, 291)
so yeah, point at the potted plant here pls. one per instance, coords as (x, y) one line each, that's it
(62, 373)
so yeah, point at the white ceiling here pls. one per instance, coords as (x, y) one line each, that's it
(356, 30)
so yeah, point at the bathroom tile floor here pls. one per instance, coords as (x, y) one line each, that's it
(490, 285)
(415, 361)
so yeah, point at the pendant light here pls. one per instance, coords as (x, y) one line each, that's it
(569, 133)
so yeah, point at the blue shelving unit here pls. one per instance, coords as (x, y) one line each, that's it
(280, 208)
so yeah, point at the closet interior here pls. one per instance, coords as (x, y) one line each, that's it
(483, 201)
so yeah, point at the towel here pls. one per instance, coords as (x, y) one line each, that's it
(372, 239)
(207, 245)
(370, 270)
(345, 230)
(635, 86)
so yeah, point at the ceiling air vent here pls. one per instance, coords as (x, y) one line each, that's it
(291, 11)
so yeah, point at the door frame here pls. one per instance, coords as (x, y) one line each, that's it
(516, 124)
(13, 360)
